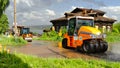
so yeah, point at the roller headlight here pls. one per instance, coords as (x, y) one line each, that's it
(98, 33)
(98, 36)
(92, 36)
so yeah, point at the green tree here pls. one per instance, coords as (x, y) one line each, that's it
(3, 23)
(3, 18)
(3, 5)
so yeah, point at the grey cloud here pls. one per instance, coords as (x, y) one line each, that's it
(38, 5)
(34, 14)
(99, 3)
(112, 12)
(30, 15)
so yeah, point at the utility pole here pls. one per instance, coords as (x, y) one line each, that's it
(15, 22)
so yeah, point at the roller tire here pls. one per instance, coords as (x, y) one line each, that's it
(92, 48)
(103, 46)
(85, 48)
(97, 47)
(64, 43)
(88, 47)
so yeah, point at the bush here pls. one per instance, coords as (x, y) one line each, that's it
(53, 35)
(50, 36)
(64, 29)
(116, 27)
(115, 30)
(113, 37)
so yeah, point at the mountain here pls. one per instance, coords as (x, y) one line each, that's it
(39, 28)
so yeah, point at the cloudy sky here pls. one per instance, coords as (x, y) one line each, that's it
(40, 12)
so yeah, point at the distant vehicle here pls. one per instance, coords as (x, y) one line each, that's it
(82, 35)
(26, 34)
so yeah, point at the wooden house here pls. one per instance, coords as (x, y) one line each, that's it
(101, 22)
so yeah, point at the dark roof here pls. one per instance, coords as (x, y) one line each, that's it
(98, 18)
(88, 10)
(75, 14)
(105, 19)
(59, 19)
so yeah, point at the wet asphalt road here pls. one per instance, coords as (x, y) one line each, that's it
(50, 49)
(112, 54)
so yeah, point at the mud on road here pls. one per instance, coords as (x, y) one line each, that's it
(50, 49)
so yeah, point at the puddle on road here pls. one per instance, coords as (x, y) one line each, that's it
(113, 53)
(114, 48)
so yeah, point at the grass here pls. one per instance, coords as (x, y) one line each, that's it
(26, 61)
(11, 61)
(113, 37)
(67, 63)
(4, 40)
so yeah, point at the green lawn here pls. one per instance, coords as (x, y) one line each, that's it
(25, 61)
(5, 41)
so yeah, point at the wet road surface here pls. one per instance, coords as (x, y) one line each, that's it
(37, 48)
(113, 53)
(50, 49)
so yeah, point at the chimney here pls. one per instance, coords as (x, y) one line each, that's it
(66, 15)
